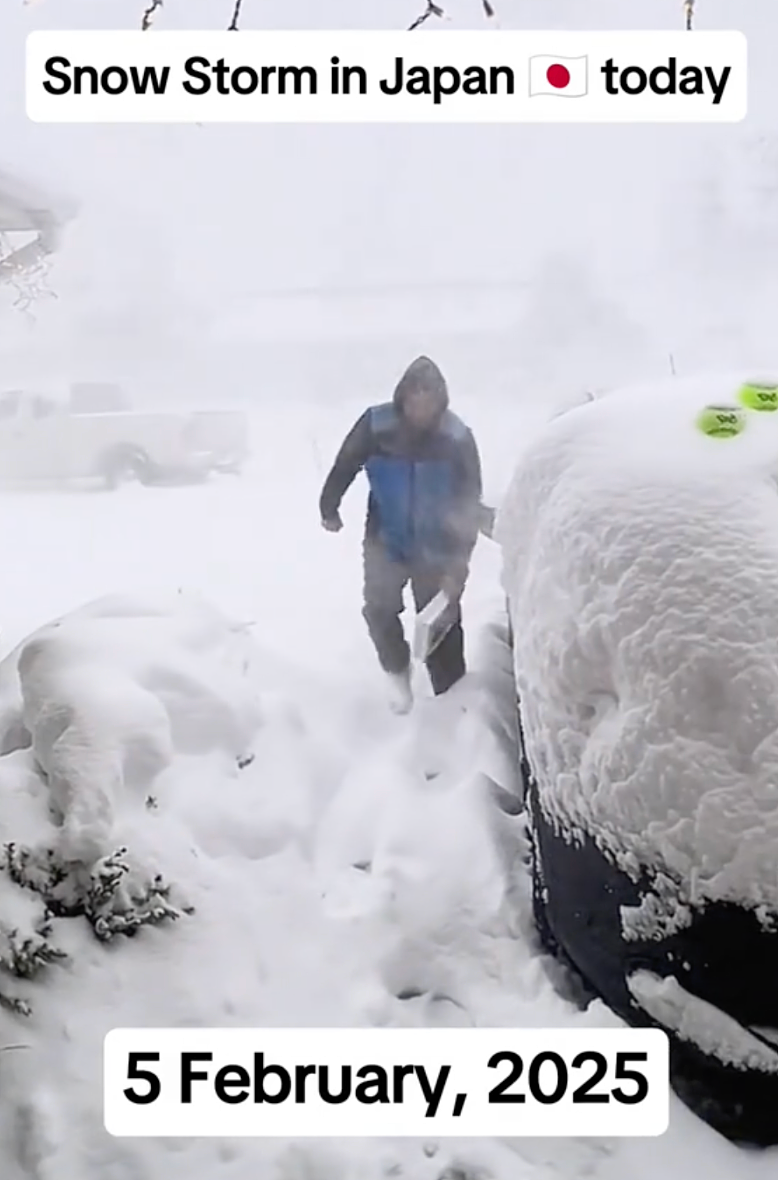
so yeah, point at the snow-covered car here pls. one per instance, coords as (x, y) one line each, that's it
(92, 433)
(640, 564)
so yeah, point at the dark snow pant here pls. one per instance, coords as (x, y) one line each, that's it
(384, 584)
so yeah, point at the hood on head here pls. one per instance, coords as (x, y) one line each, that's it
(421, 374)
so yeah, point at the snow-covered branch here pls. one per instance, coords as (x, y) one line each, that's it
(148, 15)
(154, 5)
(234, 23)
(433, 9)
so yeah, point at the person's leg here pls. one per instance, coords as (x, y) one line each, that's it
(446, 664)
(384, 583)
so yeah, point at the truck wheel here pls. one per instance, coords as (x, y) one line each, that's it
(124, 464)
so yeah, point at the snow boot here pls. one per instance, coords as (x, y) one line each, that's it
(400, 691)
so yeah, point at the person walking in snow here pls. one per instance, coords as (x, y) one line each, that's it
(424, 511)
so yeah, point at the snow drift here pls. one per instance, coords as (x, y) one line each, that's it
(641, 566)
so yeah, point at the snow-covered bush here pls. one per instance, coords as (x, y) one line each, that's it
(641, 565)
(94, 707)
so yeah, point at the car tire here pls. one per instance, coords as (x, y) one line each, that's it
(125, 464)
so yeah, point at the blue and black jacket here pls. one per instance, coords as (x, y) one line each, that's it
(425, 488)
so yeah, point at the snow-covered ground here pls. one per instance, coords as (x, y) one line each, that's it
(270, 848)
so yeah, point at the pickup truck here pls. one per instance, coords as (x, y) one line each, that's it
(93, 434)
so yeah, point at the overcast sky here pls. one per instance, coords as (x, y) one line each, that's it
(249, 206)
(217, 212)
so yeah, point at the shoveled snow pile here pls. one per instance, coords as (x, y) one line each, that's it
(641, 564)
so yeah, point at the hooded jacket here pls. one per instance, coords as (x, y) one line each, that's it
(425, 486)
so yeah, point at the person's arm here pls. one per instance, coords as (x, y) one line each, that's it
(354, 452)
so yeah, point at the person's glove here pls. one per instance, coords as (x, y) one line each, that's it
(333, 524)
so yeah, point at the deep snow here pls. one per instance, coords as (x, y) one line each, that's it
(333, 779)
(270, 849)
